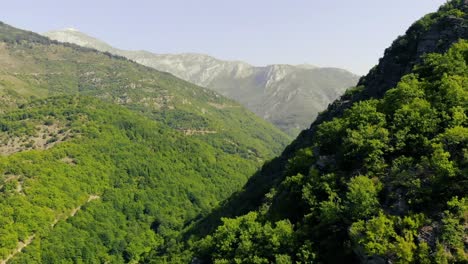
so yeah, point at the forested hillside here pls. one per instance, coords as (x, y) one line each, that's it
(380, 177)
(149, 180)
(103, 160)
(34, 66)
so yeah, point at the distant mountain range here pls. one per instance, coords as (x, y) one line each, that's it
(288, 96)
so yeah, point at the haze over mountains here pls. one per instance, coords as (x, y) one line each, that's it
(289, 96)
(106, 160)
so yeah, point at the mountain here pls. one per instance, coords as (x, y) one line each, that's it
(103, 160)
(379, 177)
(286, 95)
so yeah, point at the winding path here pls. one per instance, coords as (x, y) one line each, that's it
(22, 244)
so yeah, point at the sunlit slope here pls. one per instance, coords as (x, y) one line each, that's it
(34, 66)
(380, 177)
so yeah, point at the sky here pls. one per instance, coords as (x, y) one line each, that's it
(327, 33)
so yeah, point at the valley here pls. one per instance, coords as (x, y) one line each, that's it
(76, 122)
(115, 156)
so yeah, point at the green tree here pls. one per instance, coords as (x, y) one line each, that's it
(362, 197)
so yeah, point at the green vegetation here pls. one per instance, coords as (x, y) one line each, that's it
(104, 160)
(245, 240)
(385, 181)
(36, 67)
(107, 161)
(150, 181)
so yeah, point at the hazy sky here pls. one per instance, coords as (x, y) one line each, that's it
(339, 33)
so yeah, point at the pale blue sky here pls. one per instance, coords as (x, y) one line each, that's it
(339, 33)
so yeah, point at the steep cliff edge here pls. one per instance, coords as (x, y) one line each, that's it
(434, 32)
(383, 143)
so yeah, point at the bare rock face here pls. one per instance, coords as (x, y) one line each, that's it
(288, 96)
(437, 38)
(401, 57)
(428, 234)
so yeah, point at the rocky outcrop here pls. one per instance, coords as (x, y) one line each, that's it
(437, 38)
(430, 34)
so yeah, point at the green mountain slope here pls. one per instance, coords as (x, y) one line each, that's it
(103, 160)
(380, 177)
(145, 174)
(34, 66)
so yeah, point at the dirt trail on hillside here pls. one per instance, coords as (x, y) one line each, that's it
(29, 240)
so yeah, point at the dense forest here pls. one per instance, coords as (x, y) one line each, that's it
(380, 177)
(388, 180)
(103, 160)
(148, 180)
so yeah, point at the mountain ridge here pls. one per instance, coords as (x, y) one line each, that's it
(369, 137)
(286, 95)
(77, 122)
